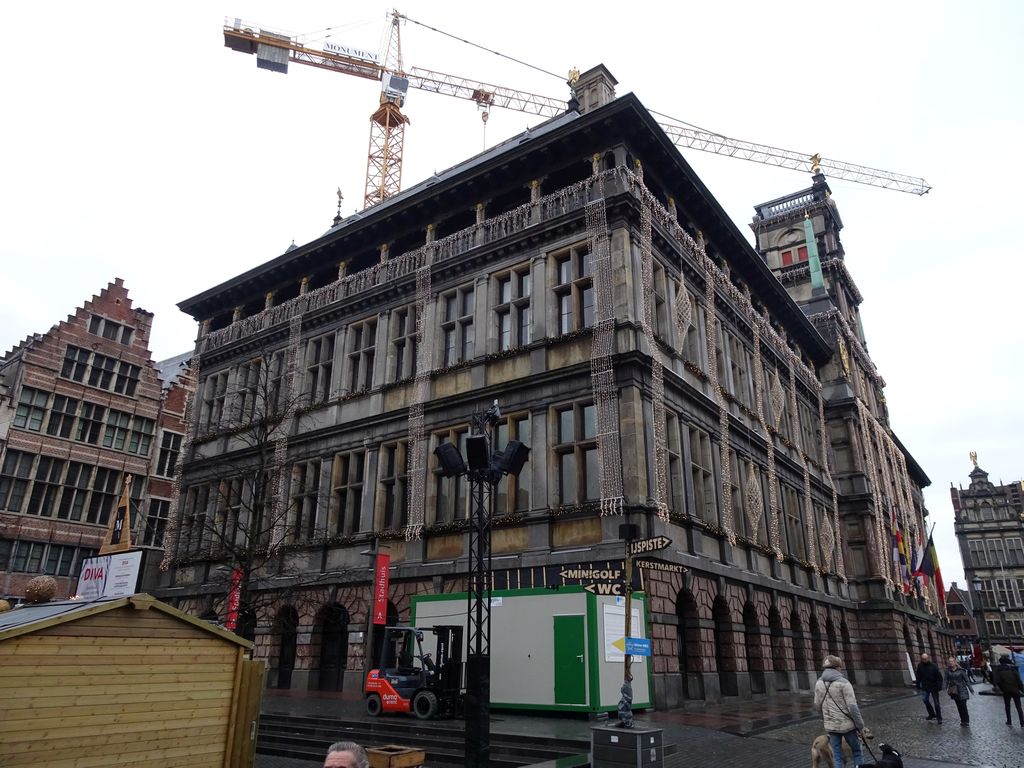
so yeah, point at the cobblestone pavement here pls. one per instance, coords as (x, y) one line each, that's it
(711, 737)
(987, 742)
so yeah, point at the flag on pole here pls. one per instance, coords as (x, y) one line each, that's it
(119, 531)
(930, 568)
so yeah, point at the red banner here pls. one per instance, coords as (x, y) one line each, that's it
(234, 597)
(380, 589)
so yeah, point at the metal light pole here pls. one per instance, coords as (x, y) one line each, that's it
(484, 468)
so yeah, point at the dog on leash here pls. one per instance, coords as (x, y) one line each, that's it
(821, 750)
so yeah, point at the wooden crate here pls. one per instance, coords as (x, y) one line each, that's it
(394, 756)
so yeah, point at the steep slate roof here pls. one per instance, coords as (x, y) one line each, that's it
(624, 118)
(170, 369)
(26, 619)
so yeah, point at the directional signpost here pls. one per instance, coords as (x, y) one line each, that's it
(658, 565)
(643, 546)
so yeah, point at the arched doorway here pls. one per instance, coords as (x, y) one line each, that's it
(333, 631)
(286, 627)
(833, 641)
(799, 651)
(818, 651)
(755, 649)
(920, 644)
(688, 633)
(907, 642)
(779, 661)
(725, 648)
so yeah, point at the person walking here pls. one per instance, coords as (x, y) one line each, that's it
(835, 699)
(959, 688)
(1006, 677)
(929, 683)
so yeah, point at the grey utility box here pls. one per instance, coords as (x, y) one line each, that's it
(637, 747)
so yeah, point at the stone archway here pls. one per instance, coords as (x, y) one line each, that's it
(688, 628)
(725, 648)
(780, 660)
(752, 635)
(800, 660)
(832, 639)
(818, 650)
(332, 639)
(286, 628)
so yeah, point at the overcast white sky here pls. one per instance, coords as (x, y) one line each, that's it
(136, 145)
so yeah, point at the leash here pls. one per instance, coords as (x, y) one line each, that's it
(860, 735)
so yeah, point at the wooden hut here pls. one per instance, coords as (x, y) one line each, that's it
(124, 681)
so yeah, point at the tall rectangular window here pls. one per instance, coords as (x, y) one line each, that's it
(14, 479)
(46, 487)
(692, 352)
(229, 510)
(513, 307)
(574, 288)
(319, 367)
(116, 434)
(247, 385)
(809, 430)
(347, 492)
(305, 492)
(740, 368)
(457, 326)
(674, 466)
(450, 493)
(101, 371)
(76, 363)
(659, 305)
(141, 437)
(62, 416)
(703, 475)
(61, 560)
(156, 522)
(514, 490)
(28, 556)
(575, 454)
(996, 552)
(31, 409)
(738, 500)
(90, 423)
(214, 394)
(105, 492)
(403, 343)
(75, 495)
(794, 522)
(1014, 552)
(193, 531)
(170, 447)
(394, 477)
(278, 369)
(127, 379)
(361, 352)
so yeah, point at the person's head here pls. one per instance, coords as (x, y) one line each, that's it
(346, 754)
(1004, 659)
(925, 658)
(951, 661)
(832, 662)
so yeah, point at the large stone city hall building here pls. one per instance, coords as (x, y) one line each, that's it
(662, 371)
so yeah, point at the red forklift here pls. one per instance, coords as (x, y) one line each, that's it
(409, 680)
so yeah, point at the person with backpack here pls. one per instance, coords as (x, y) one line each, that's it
(835, 699)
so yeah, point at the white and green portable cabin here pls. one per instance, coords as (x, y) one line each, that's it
(558, 650)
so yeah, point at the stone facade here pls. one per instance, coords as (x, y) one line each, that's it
(81, 406)
(989, 523)
(584, 277)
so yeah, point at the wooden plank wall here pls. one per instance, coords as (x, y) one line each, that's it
(125, 687)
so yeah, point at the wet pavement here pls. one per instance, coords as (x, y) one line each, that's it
(765, 731)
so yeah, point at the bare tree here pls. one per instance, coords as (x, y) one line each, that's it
(237, 521)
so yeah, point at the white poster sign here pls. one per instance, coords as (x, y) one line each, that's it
(615, 632)
(109, 575)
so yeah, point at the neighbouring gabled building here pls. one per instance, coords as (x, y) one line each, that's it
(582, 275)
(989, 524)
(961, 617)
(82, 406)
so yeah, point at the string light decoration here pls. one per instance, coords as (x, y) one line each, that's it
(830, 543)
(418, 442)
(881, 546)
(777, 399)
(753, 499)
(657, 366)
(602, 376)
(774, 532)
(171, 537)
(278, 502)
(794, 428)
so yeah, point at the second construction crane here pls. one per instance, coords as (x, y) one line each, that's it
(274, 50)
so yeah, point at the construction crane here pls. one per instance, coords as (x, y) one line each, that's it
(274, 50)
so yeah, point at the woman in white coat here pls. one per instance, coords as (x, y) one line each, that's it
(834, 698)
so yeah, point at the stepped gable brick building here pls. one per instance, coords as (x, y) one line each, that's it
(81, 406)
(663, 372)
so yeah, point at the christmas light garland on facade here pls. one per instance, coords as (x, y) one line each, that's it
(418, 443)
